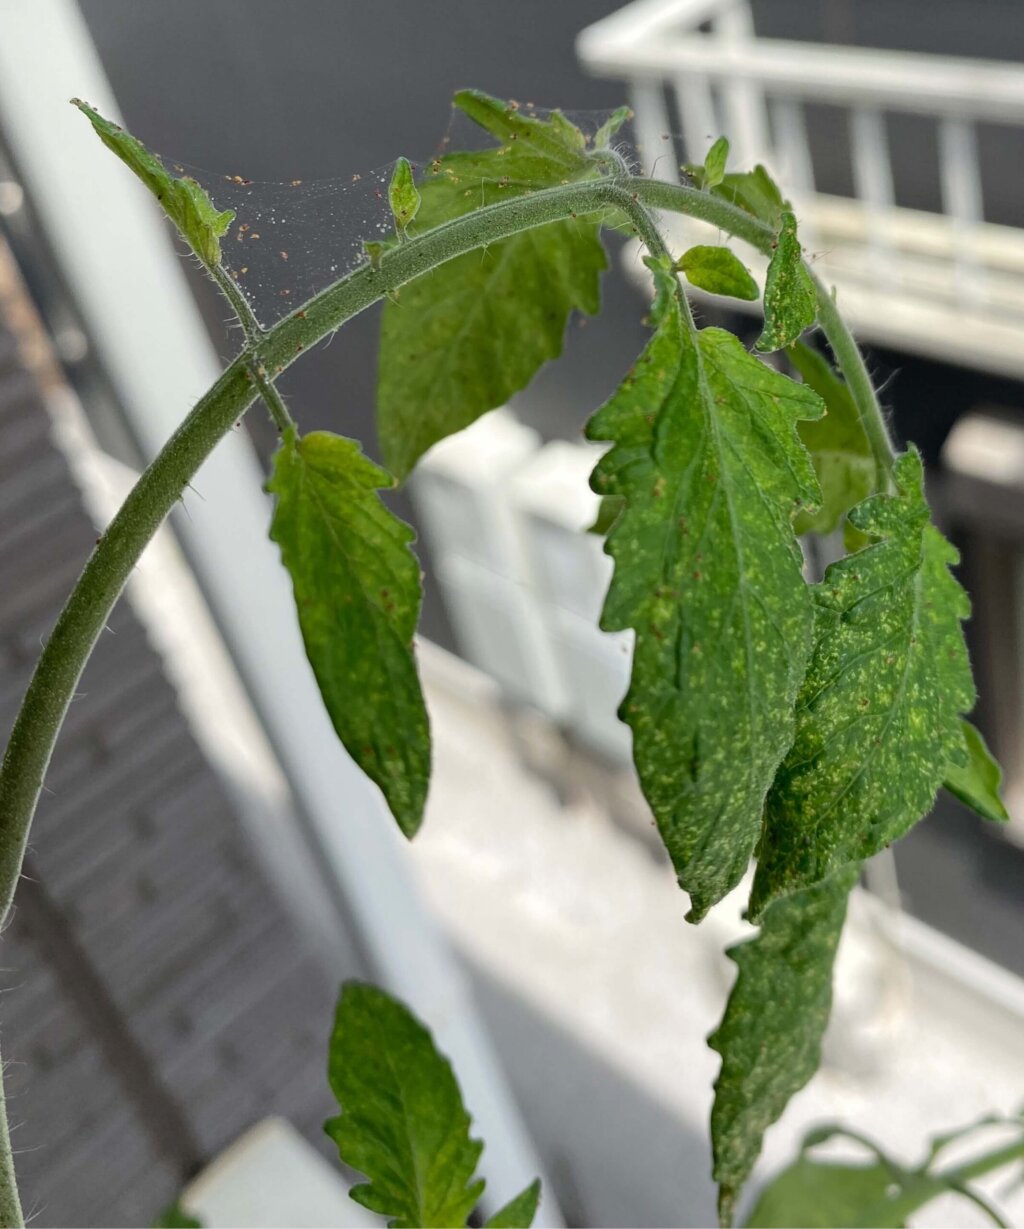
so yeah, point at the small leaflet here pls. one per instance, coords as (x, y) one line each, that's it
(718, 271)
(403, 196)
(790, 301)
(714, 163)
(201, 225)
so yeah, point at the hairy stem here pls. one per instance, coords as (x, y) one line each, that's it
(254, 335)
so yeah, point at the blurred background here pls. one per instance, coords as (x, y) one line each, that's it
(207, 864)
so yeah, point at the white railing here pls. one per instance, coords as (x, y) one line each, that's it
(945, 284)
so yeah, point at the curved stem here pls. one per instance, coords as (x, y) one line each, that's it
(10, 1204)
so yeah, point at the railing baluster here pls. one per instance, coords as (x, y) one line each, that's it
(696, 105)
(658, 156)
(961, 199)
(744, 99)
(872, 179)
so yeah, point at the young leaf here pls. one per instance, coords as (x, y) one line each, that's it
(402, 1120)
(175, 1217)
(770, 1035)
(183, 200)
(403, 196)
(714, 163)
(838, 444)
(708, 573)
(790, 302)
(976, 783)
(604, 134)
(518, 1213)
(357, 589)
(878, 720)
(461, 340)
(718, 271)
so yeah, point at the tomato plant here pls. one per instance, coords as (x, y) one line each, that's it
(805, 725)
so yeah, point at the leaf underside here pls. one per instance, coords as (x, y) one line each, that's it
(718, 271)
(402, 1120)
(878, 718)
(770, 1035)
(708, 573)
(357, 590)
(462, 339)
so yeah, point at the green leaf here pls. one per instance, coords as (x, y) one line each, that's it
(825, 1195)
(754, 191)
(878, 720)
(718, 271)
(790, 302)
(878, 1195)
(976, 783)
(402, 1120)
(708, 574)
(175, 1217)
(462, 339)
(838, 444)
(770, 1035)
(357, 589)
(714, 163)
(403, 196)
(183, 200)
(604, 134)
(518, 1213)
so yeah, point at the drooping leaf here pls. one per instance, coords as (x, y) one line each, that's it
(718, 271)
(976, 783)
(518, 1213)
(357, 589)
(838, 444)
(878, 720)
(754, 191)
(611, 126)
(770, 1035)
(708, 573)
(403, 196)
(462, 339)
(790, 302)
(714, 163)
(402, 1121)
(183, 200)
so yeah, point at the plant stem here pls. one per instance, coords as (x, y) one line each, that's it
(254, 335)
(10, 1204)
